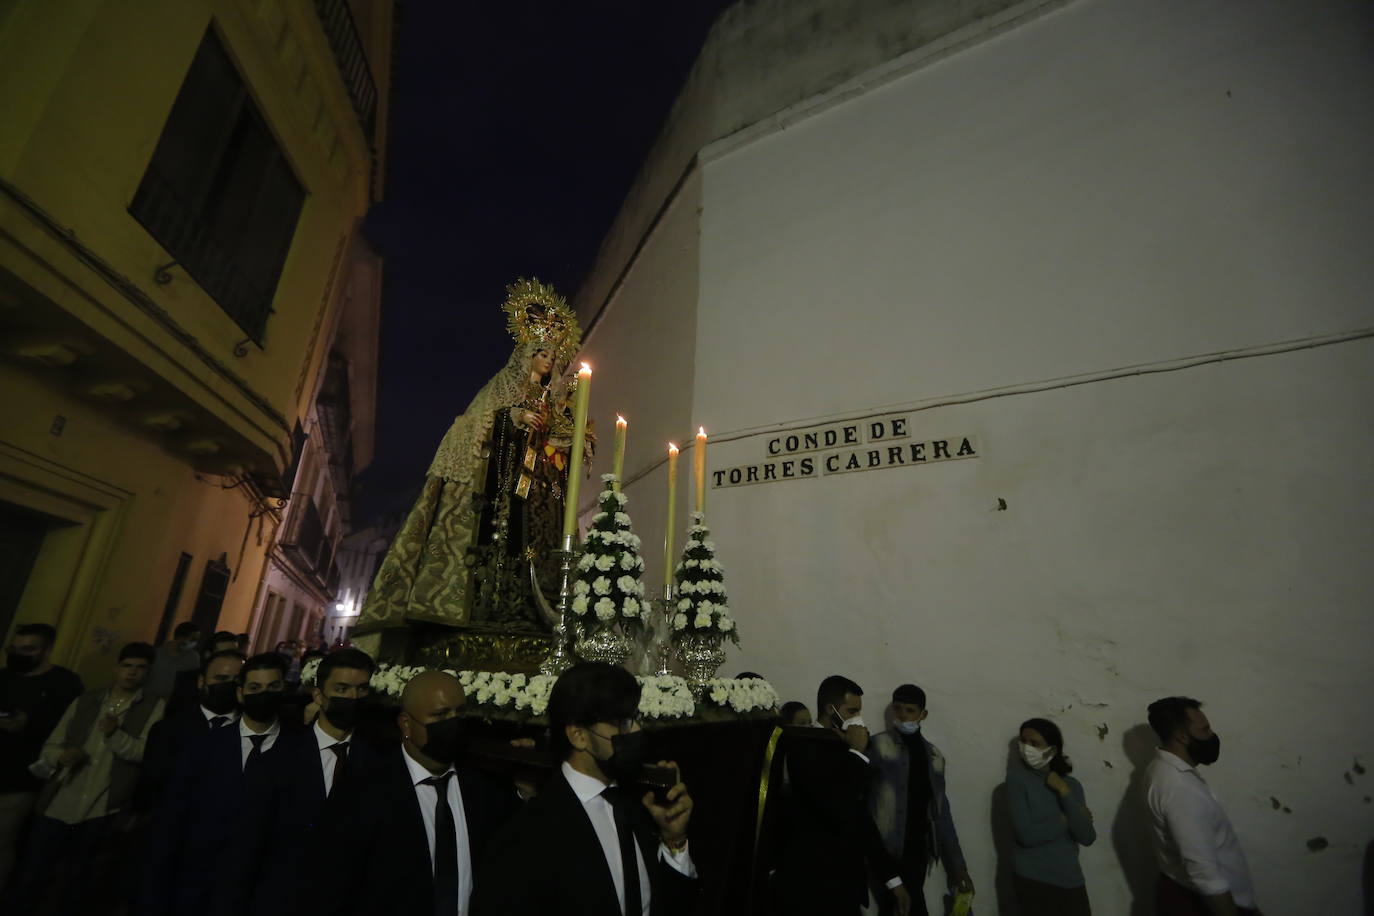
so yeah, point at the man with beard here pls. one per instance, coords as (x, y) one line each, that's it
(33, 695)
(194, 822)
(265, 864)
(1203, 871)
(416, 824)
(216, 706)
(597, 846)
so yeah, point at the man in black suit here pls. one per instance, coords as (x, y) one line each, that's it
(217, 690)
(193, 823)
(565, 852)
(415, 825)
(831, 841)
(265, 863)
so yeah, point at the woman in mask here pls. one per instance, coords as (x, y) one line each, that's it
(1050, 820)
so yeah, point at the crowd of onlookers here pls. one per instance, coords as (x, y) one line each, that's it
(203, 780)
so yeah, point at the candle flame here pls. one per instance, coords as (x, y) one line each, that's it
(619, 418)
(672, 448)
(586, 368)
(701, 431)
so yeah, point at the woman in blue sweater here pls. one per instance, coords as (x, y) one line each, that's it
(1050, 820)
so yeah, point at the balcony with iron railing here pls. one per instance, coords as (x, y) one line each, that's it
(342, 31)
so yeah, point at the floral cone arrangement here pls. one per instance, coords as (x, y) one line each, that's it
(701, 605)
(607, 588)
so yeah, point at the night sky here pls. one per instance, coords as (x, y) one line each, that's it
(517, 129)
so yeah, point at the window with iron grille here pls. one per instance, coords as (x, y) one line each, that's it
(218, 193)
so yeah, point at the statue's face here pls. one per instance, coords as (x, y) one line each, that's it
(541, 363)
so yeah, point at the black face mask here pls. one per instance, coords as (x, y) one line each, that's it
(342, 712)
(264, 706)
(222, 698)
(1204, 750)
(20, 663)
(446, 739)
(627, 756)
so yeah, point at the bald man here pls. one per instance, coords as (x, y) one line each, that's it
(404, 835)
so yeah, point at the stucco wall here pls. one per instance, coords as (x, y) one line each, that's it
(1139, 229)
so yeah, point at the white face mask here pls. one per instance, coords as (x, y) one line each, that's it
(908, 728)
(852, 720)
(1036, 757)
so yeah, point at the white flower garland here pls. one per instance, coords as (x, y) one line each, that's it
(489, 691)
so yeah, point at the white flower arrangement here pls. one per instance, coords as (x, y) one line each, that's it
(702, 605)
(499, 691)
(607, 589)
(742, 694)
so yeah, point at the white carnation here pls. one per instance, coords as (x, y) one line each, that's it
(581, 588)
(622, 519)
(626, 584)
(630, 608)
(702, 621)
(605, 562)
(579, 604)
(605, 609)
(685, 604)
(680, 622)
(726, 624)
(627, 562)
(687, 588)
(601, 585)
(585, 562)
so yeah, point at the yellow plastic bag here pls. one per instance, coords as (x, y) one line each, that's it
(963, 905)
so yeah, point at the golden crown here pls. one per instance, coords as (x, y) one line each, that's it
(537, 315)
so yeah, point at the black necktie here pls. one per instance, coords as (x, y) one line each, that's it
(629, 863)
(340, 763)
(445, 850)
(217, 721)
(256, 752)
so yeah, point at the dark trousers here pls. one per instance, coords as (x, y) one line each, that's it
(64, 868)
(1036, 898)
(1173, 899)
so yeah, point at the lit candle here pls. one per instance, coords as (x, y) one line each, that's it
(699, 465)
(579, 444)
(672, 516)
(618, 464)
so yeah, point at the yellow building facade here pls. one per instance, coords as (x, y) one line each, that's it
(182, 184)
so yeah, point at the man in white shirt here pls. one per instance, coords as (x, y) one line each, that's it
(1203, 871)
(589, 844)
(194, 822)
(284, 802)
(416, 823)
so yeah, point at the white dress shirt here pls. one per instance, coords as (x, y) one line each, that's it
(429, 807)
(246, 745)
(328, 759)
(210, 717)
(1194, 841)
(588, 790)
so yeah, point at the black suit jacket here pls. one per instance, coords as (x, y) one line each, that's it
(548, 860)
(169, 737)
(193, 823)
(382, 839)
(830, 841)
(278, 826)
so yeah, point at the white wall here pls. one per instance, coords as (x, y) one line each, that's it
(1117, 184)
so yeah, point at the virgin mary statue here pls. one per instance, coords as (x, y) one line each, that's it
(493, 496)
